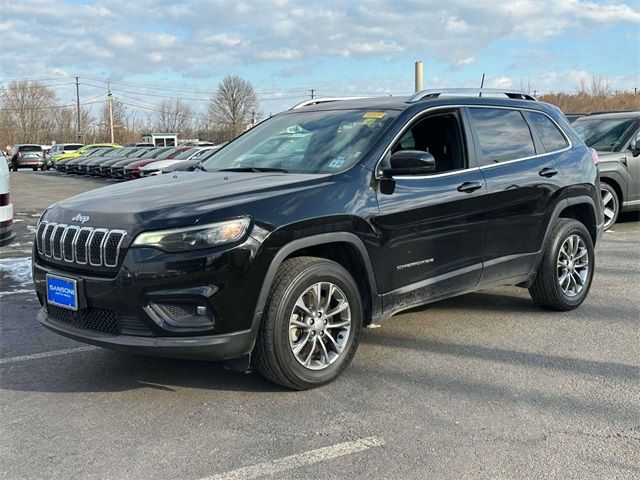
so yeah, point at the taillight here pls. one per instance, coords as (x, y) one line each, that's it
(594, 156)
(19, 154)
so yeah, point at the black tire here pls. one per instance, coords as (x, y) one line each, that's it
(610, 201)
(273, 356)
(35, 169)
(546, 290)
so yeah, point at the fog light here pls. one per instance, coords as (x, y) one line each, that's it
(180, 316)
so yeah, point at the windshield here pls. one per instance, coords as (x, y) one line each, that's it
(304, 142)
(115, 152)
(165, 153)
(603, 135)
(186, 155)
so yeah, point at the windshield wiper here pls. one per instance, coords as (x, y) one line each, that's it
(252, 169)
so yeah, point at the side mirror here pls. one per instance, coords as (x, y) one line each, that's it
(634, 146)
(409, 162)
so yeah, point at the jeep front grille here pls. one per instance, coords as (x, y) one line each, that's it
(97, 247)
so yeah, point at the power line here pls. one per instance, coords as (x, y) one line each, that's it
(50, 107)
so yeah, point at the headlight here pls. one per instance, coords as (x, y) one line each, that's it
(194, 238)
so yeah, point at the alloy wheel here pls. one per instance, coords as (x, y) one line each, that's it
(319, 326)
(573, 265)
(610, 205)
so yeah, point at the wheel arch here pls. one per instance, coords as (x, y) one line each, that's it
(615, 184)
(344, 248)
(582, 208)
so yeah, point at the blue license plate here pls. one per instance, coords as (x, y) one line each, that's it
(62, 292)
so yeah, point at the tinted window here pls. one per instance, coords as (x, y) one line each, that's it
(503, 135)
(72, 147)
(552, 139)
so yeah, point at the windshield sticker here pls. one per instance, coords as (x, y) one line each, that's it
(376, 115)
(338, 161)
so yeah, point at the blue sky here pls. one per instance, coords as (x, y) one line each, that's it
(152, 49)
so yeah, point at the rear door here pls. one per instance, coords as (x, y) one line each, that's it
(432, 225)
(522, 179)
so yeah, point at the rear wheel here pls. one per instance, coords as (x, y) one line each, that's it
(566, 270)
(312, 324)
(610, 203)
(35, 169)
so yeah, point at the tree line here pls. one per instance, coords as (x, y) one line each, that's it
(30, 112)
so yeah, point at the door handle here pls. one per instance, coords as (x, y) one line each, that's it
(469, 187)
(548, 172)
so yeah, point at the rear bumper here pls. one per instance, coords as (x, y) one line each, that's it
(212, 347)
(28, 163)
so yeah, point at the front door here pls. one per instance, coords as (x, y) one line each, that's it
(432, 225)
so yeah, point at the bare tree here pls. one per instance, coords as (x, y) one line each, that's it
(234, 107)
(174, 116)
(596, 86)
(28, 111)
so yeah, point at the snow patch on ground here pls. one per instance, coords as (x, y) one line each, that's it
(17, 269)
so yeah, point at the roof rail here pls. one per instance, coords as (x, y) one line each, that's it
(317, 101)
(429, 94)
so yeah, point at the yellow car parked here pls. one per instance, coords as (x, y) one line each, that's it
(83, 150)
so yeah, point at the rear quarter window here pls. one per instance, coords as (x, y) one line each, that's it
(502, 135)
(550, 136)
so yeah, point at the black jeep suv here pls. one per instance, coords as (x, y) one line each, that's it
(278, 257)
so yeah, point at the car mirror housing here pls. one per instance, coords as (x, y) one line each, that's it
(409, 162)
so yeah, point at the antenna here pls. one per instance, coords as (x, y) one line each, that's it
(481, 84)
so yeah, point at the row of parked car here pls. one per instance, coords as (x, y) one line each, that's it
(128, 163)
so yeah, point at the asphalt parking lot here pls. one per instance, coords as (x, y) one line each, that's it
(482, 386)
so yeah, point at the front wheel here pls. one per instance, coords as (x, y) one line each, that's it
(311, 326)
(566, 270)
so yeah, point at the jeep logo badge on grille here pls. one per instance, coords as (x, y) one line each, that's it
(81, 218)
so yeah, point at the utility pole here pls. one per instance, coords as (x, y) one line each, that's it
(110, 99)
(253, 118)
(78, 130)
(312, 91)
(419, 76)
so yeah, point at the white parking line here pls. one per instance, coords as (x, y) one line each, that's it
(299, 460)
(55, 353)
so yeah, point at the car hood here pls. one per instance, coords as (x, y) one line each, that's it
(181, 198)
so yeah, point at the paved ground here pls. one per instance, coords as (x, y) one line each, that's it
(482, 386)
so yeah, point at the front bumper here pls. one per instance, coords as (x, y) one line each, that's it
(136, 299)
(210, 347)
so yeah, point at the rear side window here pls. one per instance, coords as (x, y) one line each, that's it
(72, 147)
(552, 139)
(502, 134)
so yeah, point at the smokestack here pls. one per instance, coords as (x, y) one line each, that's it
(418, 76)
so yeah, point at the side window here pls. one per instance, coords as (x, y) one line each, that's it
(552, 139)
(439, 134)
(503, 135)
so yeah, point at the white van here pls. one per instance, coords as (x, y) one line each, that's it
(6, 207)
